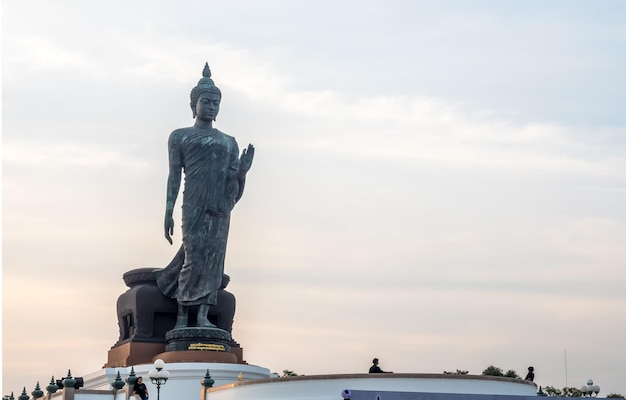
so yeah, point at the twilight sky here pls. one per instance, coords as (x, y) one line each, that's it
(439, 184)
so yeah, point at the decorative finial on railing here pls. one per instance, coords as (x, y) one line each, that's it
(37, 393)
(207, 382)
(69, 382)
(24, 395)
(118, 383)
(132, 378)
(52, 387)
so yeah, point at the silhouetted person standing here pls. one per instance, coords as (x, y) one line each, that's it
(375, 369)
(531, 374)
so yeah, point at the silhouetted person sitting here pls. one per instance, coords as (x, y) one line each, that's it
(531, 374)
(140, 389)
(375, 369)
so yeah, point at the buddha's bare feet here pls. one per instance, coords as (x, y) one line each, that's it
(204, 322)
(180, 323)
(203, 317)
(181, 319)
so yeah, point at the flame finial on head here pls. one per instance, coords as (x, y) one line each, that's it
(206, 72)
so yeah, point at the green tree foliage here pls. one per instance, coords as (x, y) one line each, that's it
(572, 392)
(565, 392)
(493, 371)
(512, 374)
(457, 372)
(552, 391)
(287, 372)
(615, 396)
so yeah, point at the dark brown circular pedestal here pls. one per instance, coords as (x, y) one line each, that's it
(198, 338)
(198, 356)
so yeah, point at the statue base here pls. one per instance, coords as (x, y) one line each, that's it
(198, 339)
(199, 356)
(133, 353)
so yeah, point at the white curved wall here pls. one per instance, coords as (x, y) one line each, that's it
(185, 378)
(329, 387)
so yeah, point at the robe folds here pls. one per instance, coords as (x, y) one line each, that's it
(210, 162)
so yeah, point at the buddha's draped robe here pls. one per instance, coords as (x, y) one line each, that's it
(210, 161)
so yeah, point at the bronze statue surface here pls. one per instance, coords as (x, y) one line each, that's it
(215, 176)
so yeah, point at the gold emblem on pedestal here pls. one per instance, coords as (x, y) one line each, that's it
(206, 346)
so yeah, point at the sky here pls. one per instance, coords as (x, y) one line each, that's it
(439, 184)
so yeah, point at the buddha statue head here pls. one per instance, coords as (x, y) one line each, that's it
(205, 86)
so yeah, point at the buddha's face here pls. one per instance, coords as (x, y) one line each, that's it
(208, 106)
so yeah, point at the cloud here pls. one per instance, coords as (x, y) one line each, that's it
(23, 153)
(422, 192)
